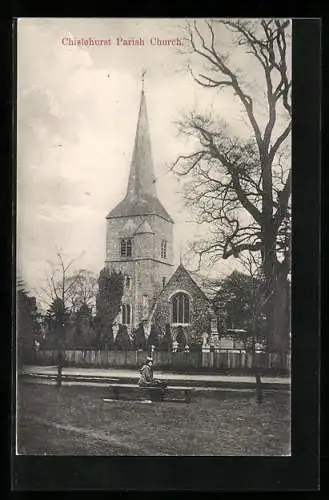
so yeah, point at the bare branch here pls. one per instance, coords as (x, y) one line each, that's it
(231, 180)
(218, 62)
(279, 141)
(283, 198)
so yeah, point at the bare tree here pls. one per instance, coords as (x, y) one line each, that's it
(60, 281)
(242, 186)
(57, 292)
(82, 290)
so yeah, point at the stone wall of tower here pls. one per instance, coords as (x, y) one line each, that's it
(145, 267)
(163, 231)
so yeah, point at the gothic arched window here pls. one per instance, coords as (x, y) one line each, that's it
(126, 314)
(125, 247)
(180, 308)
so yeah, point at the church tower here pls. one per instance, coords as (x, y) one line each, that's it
(139, 240)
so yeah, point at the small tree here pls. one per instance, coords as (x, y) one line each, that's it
(166, 340)
(57, 293)
(241, 301)
(139, 337)
(154, 337)
(83, 327)
(181, 339)
(108, 303)
(57, 319)
(122, 340)
(103, 334)
(82, 290)
(108, 339)
(28, 324)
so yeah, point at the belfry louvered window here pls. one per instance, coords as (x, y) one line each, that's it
(163, 249)
(180, 308)
(125, 247)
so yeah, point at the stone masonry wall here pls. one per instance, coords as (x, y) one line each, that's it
(199, 306)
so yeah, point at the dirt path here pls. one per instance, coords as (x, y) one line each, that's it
(91, 435)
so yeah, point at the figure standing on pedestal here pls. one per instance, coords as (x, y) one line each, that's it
(205, 339)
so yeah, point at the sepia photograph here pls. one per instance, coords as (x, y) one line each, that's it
(153, 245)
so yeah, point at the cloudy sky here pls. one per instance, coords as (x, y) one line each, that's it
(77, 113)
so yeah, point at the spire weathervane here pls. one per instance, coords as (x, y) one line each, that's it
(143, 76)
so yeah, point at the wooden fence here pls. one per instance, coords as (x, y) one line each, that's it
(236, 361)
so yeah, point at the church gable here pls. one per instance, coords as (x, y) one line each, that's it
(182, 303)
(182, 279)
(209, 286)
(144, 228)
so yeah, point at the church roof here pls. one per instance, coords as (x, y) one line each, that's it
(141, 197)
(207, 285)
(132, 206)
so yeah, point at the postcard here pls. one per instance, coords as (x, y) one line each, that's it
(153, 237)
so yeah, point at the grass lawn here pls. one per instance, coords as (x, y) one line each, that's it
(76, 421)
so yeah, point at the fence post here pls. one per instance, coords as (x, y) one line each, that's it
(205, 356)
(242, 360)
(211, 358)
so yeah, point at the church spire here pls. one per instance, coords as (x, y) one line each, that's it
(141, 179)
(141, 196)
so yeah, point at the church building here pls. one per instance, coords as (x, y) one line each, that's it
(139, 243)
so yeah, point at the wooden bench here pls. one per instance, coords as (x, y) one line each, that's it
(135, 392)
(67, 377)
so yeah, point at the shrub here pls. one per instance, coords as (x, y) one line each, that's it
(154, 337)
(166, 340)
(181, 338)
(122, 340)
(139, 337)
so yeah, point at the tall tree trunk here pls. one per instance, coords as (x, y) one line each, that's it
(279, 339)
(278, 297)
(61, 355)
(278, 323)
(59, 367)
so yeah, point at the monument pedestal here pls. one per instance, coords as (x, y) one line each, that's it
(214, 336)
